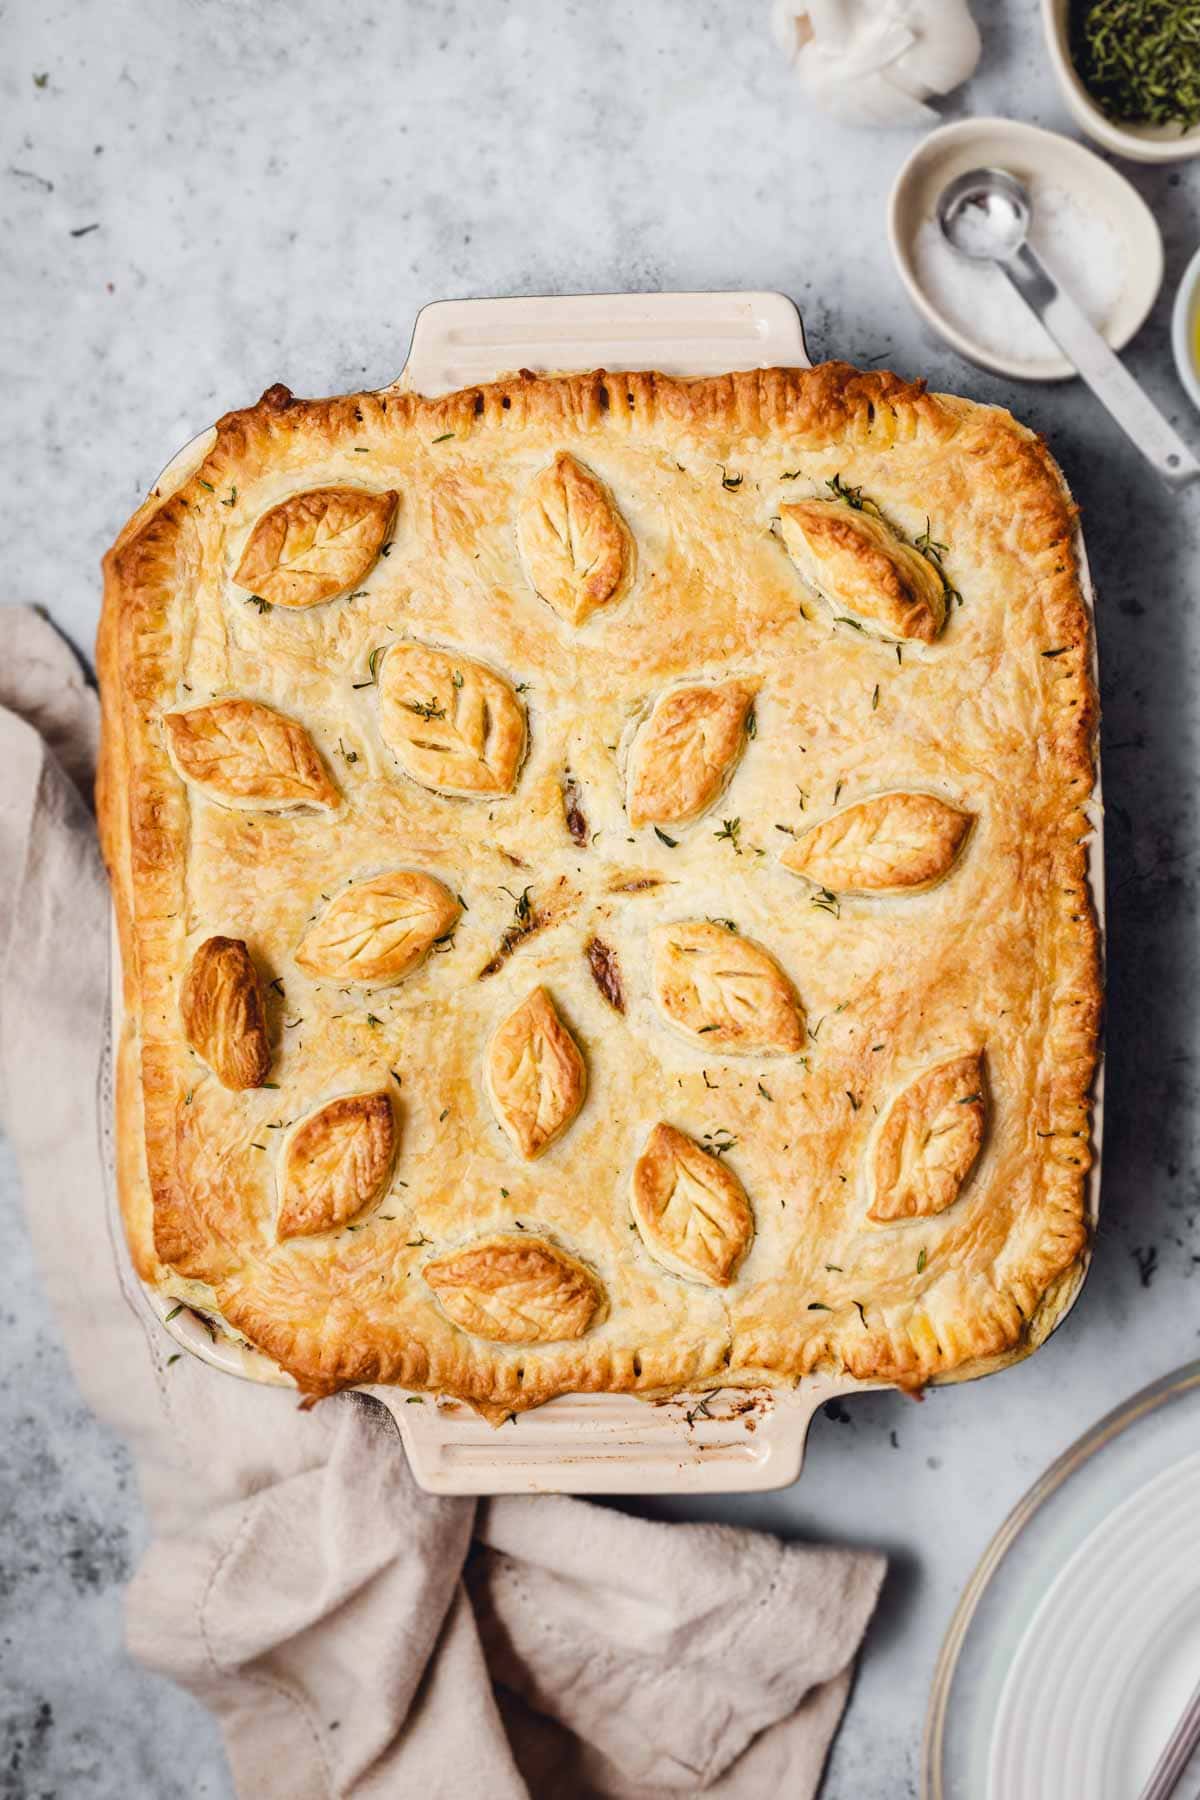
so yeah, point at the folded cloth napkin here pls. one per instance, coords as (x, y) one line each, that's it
(353, 1635)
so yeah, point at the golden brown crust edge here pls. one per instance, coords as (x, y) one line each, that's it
(141, 643)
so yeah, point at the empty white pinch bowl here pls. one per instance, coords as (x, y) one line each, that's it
(1140, 143)
(1027, 151)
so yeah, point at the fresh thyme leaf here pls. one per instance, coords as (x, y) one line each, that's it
(834, 1268)
(791, 475)
(751, 724)
(257, 599)
(425, 709)
(372, 1020)
(853, 1099)
(788, 830)
(396, 1078)
(446, 435)
(175, 1358)
(443, 1115)
(854, 625)
(703, 1028)
(875, 698)
(921, 1261)
(829, 903)
(232, 500)
(174, 1312)
(1062, 651)
(361, 450)
(762, 1090)
(730, 830)
(818, 1306)
(969, 1099)
(670, 842)
(730, 482)
(414, 1400)
(456, 680)
(900, 654)
(727, 923)
(374, 659)
(861, 1313)
(206, 484)
(351, 756)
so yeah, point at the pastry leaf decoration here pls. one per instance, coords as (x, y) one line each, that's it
(725, 991)
(535, 1075)
(248, 756)
(690, 1209)
(378, 931)
(685, 751)
(516, 1290)
(930, 1140)
(453, 724)
(851, 555)
(315, 545)
(896, 843)
(336, 1162)
(224, 1013)
(577, 550)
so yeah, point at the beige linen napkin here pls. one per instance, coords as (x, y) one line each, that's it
(353, 1635)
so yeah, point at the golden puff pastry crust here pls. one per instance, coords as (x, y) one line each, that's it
(684, 753)
(890, 844)
(724, 992)
(315, 544)
(692, 1211)
(222, 1011)
(335, 1162)
(495, 900)
(248, 755)
(574, 544)
(535, 1075)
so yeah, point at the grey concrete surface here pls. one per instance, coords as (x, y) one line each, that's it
(200, 197)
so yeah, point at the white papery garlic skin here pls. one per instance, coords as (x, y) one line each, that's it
(876, 62)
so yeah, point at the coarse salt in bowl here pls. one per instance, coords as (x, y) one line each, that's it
(1091, 227)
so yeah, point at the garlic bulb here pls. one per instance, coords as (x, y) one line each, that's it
(875, 62)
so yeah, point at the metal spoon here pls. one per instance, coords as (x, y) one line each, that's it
(985, 214)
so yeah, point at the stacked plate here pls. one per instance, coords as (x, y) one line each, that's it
(1076, 1646)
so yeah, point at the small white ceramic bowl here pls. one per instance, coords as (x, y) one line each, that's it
(1185, 330)
(1027, 151)
(1141, 143)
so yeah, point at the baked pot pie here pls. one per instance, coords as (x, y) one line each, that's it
(600, 864)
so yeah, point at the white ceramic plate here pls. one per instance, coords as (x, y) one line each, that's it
(1026, 151)
(1112, 1655)
(1076, 1643)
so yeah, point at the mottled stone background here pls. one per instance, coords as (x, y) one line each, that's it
(200, 197)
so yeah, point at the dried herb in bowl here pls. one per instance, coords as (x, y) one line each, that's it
(1139, 59)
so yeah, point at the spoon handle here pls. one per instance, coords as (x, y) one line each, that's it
(1101, 368)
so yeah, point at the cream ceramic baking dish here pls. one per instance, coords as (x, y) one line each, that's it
(738, 1440)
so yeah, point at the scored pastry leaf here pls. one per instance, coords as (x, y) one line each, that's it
(690, 1209)
(684, 752)
(248, 756)
(930, 1140)
(577, 550)
(336, 1162)
(452, 723)
(535, 1075)
(894, 844)
(377, 931)
(725, 991)
(315, 545)
(516, 1289)
(861, 566)
(224, 1013)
